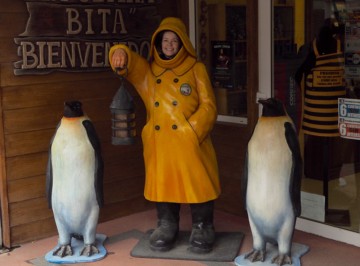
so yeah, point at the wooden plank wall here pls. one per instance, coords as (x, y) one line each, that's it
(31, 107)
(230, 144)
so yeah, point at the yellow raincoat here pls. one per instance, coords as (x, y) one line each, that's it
(180, 160)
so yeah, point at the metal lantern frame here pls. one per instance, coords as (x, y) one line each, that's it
(123, 115)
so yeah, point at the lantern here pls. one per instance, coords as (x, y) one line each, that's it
(123, 116)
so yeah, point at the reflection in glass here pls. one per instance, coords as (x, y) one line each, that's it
(223, 48)
(316, 48)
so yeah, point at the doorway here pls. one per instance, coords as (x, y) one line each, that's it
(330, 190)
(227, 41)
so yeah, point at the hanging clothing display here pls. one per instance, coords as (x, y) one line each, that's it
(323, 86)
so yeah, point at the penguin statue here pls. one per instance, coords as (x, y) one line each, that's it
(74, 180)
(271, 182)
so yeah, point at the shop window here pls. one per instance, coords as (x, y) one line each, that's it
(316, 49)
(223, 48)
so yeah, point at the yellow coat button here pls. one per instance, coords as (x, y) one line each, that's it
(157, 127)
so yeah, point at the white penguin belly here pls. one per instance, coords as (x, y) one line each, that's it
(270, 163)
(73, 162)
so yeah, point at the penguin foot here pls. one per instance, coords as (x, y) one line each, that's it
(256, 255)
(63, 251)
(89, 250)
(281, 259)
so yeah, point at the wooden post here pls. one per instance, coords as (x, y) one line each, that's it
(4, 203)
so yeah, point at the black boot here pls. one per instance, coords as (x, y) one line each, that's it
(164, 236)
(203, 233)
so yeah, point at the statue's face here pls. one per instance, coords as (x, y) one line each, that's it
(170, 44)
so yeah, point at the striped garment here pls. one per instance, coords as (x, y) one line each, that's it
(324, 85)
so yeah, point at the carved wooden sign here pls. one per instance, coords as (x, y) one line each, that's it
(76, 35)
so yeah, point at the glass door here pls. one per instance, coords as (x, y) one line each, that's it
(226, 42)
(223, 47)
(316, 47)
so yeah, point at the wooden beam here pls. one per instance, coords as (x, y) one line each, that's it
(3, 184)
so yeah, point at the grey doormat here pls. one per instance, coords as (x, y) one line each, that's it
(226, 248)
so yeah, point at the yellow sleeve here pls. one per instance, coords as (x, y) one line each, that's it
(137, 65)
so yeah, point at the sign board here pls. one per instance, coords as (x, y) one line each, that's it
(222, 60)
(76, 35)
(349, 118)
(327, 78)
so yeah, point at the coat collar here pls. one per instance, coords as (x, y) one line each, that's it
(180, 64)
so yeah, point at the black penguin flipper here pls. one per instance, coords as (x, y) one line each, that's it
(244, 180)
(99, 167)
(296, 175)
(49, 173)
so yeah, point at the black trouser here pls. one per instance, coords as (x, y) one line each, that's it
(202, 213)
(202, 234)
(168, 211)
